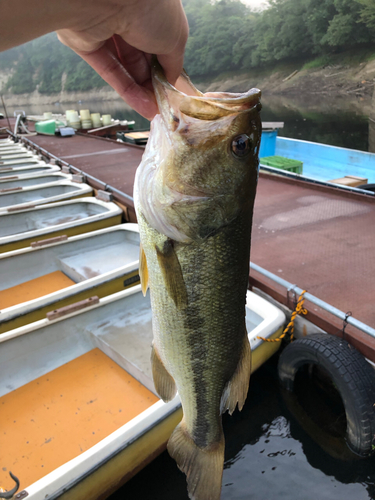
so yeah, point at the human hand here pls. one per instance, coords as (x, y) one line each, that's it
(117, 39)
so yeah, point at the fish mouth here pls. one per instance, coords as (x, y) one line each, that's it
(189, 101)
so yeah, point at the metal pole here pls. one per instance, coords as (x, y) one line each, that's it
(311, 298)
(5, 109)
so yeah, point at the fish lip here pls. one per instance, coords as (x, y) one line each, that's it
(188, 104)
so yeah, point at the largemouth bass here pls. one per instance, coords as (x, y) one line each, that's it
(194, 193)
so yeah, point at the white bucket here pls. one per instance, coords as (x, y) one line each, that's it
(96, 122)
(84, 114)
(74, 120)
(86, 124)
(107, 120)
(71, 115)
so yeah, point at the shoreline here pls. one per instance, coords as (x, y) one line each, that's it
(322, 90)
(289, 80)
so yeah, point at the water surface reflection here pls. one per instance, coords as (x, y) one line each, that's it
(268, 455)
(339, 121)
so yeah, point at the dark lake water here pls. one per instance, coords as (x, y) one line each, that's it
(340, 122)
(269, 455)
(271, 451)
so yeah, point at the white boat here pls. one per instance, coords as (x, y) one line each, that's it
(35, 195)
(71, 217)
(78, 402)
(28, 161)
(26, 171)
(14, 154)
(6, 185)
(55, 273)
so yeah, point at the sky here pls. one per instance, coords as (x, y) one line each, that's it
(255, 4)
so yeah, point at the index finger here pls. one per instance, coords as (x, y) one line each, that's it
(173, 61)
(139, 97)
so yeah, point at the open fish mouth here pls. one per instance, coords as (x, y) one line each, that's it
(188, 170)
(189, 101)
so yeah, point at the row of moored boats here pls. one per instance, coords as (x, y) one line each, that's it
(80, 413)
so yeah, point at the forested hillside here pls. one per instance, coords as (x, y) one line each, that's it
(225, 35)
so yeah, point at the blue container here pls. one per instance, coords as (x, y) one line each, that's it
(268, 143)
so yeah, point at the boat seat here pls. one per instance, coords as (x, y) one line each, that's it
(35, 288)
(91, 263)
(54, 418)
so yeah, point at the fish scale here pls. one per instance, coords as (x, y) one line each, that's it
(204, 333)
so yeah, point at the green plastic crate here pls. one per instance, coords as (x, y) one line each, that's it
(283, 163)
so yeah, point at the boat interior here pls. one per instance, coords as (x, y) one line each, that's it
(33, 273)
(43, 217)
(25, 171)
(12, 155)
(33, 181)
(38, 194)
(21, 162)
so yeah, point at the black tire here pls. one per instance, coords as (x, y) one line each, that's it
(352, 375)
(367, 187)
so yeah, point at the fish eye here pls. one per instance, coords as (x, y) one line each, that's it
(241, 146)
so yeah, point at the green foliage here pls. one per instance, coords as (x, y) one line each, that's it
(83, 78)
(316, 18)
(226, 36)
(22, 82)
(367, 12)
(318, 62)
(346, 28)
(8, 57)
(42, 63)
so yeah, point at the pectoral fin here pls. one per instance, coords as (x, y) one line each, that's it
(237, 388)
(164, 384)
(143, 270)
(172, 274)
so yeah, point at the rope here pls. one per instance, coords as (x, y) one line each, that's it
(290, 326)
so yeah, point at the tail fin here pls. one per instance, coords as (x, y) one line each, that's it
(203, 467)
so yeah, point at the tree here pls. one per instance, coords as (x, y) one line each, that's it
(367, 13)
(346, 27)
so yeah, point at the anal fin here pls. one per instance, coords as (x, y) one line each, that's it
(172, 274)
(203, 466)
(237, 388)
(164, 384)
(143, 270)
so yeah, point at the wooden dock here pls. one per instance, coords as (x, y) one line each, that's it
(320, 238)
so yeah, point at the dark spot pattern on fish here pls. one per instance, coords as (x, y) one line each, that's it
(193, 321)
